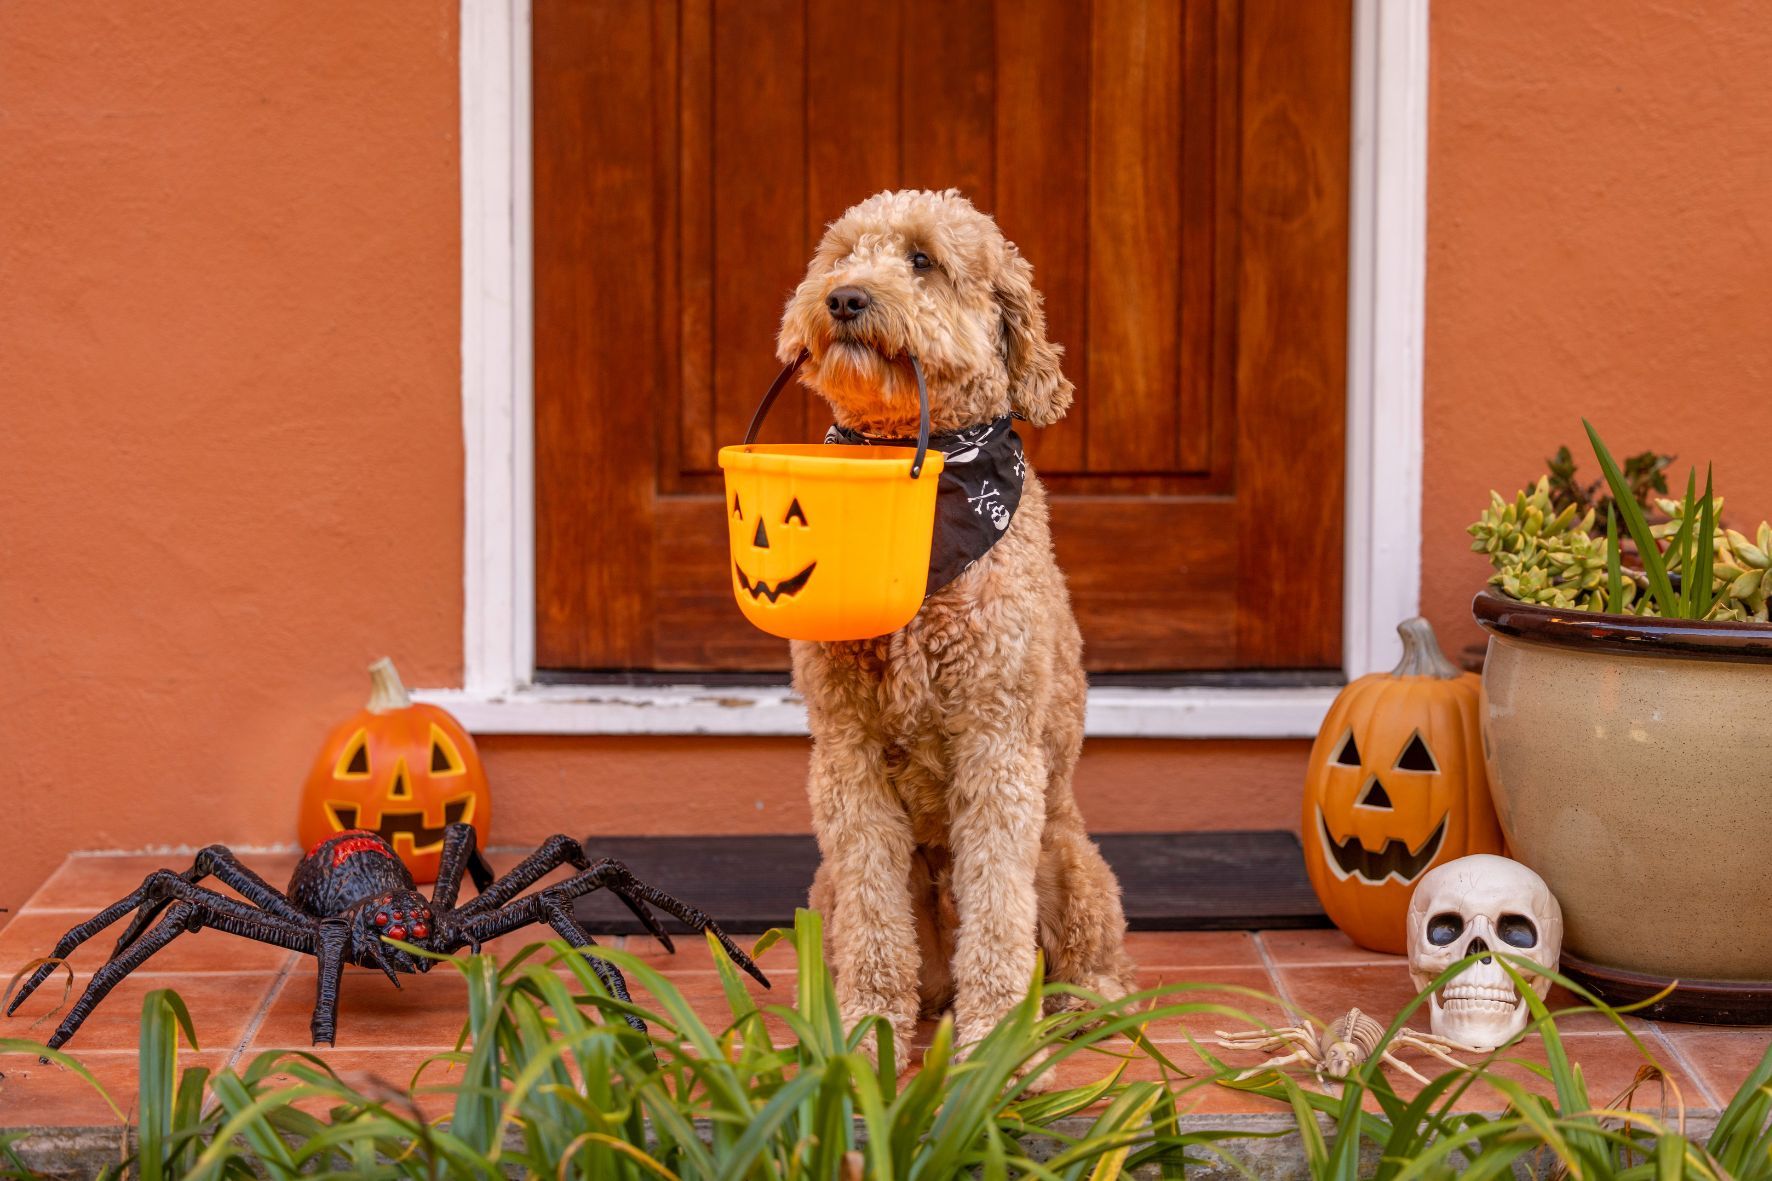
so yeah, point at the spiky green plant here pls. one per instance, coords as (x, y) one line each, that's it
(1690, 566)
(548, 1081)
(1738, 564)
(545, 1084)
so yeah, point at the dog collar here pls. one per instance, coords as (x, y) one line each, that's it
(975, 497)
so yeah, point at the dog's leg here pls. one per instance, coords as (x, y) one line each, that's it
(1082, 925)
(997, 805)
(864, 837)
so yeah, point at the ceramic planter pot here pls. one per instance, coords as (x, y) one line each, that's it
(1629, 760)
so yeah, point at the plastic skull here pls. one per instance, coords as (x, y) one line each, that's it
(1473, 905)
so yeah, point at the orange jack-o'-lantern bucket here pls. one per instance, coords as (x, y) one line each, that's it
(830, 542)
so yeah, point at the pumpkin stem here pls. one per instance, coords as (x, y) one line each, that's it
(1422, 655)
(385, 689)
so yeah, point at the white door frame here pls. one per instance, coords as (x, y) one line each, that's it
(1382, 541)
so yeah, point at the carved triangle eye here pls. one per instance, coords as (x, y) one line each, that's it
(795, 513)
(354, 763)
(1416, 756)
(737, 510)
(445, 759)
(1349, 754)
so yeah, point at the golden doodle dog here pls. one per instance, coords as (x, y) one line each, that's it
(952, 847)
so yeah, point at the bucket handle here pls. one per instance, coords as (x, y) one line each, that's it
(793, 367)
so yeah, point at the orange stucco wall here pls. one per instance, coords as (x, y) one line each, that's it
(230, 472)
(1599, 243)
(230, 461)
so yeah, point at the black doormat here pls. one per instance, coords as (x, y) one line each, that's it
(1172, 881)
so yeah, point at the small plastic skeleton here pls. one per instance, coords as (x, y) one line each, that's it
(1340, 1048)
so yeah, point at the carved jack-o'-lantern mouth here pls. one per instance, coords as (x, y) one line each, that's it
(786, 588)
(1395, 860)
(392, 826)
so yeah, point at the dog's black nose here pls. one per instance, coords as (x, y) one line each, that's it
(846, 303)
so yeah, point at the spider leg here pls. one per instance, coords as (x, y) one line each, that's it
(627, 884)
(219, 862)
(460, 855)
(647, 919)
(605, 874)
(158, 890)
(559, 917)
(184, 914)
(334, 942)
(554, 852)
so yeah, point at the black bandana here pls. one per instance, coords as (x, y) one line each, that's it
(976, 497)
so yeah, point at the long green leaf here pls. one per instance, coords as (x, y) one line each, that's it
(1704, 560)
(1647, 551)
(1681, 545)
(1614, 565)
(164, 1017)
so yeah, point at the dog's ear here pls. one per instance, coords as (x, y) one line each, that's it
(1038, 389)
(797, 328)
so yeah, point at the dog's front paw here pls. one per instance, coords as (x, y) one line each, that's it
(904, 1028)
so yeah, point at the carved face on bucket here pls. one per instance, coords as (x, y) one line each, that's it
(1473, 906)
(776, 547)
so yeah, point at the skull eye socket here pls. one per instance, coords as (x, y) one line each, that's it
(1416, 756)
(1516, 930)
(1442, 929)
(1349, 754)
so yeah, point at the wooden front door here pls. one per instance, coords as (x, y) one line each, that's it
(1176, 172)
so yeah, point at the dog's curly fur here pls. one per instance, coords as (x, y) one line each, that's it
(942, 754)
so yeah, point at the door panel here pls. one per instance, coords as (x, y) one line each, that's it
(1177, 174)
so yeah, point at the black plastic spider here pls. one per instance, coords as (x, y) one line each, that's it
(349, 892)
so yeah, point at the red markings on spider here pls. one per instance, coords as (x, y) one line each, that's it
(353, 845)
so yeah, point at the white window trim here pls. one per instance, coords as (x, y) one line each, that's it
(1382, 576)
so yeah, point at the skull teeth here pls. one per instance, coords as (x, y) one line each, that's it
(1478, 998)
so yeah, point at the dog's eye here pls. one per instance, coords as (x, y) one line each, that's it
(921, 261)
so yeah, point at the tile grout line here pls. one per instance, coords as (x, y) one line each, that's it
(1679, 1058)
(1273, 974)
(264, 1009)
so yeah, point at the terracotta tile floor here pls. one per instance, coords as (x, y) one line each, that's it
(247, 998)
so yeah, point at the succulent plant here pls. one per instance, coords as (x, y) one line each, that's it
(1547, 556)
(1645, 472)
(1542, 555)
(1739, 574)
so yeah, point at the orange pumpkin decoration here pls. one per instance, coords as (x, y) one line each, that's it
(398, 768)
(1395, 786)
